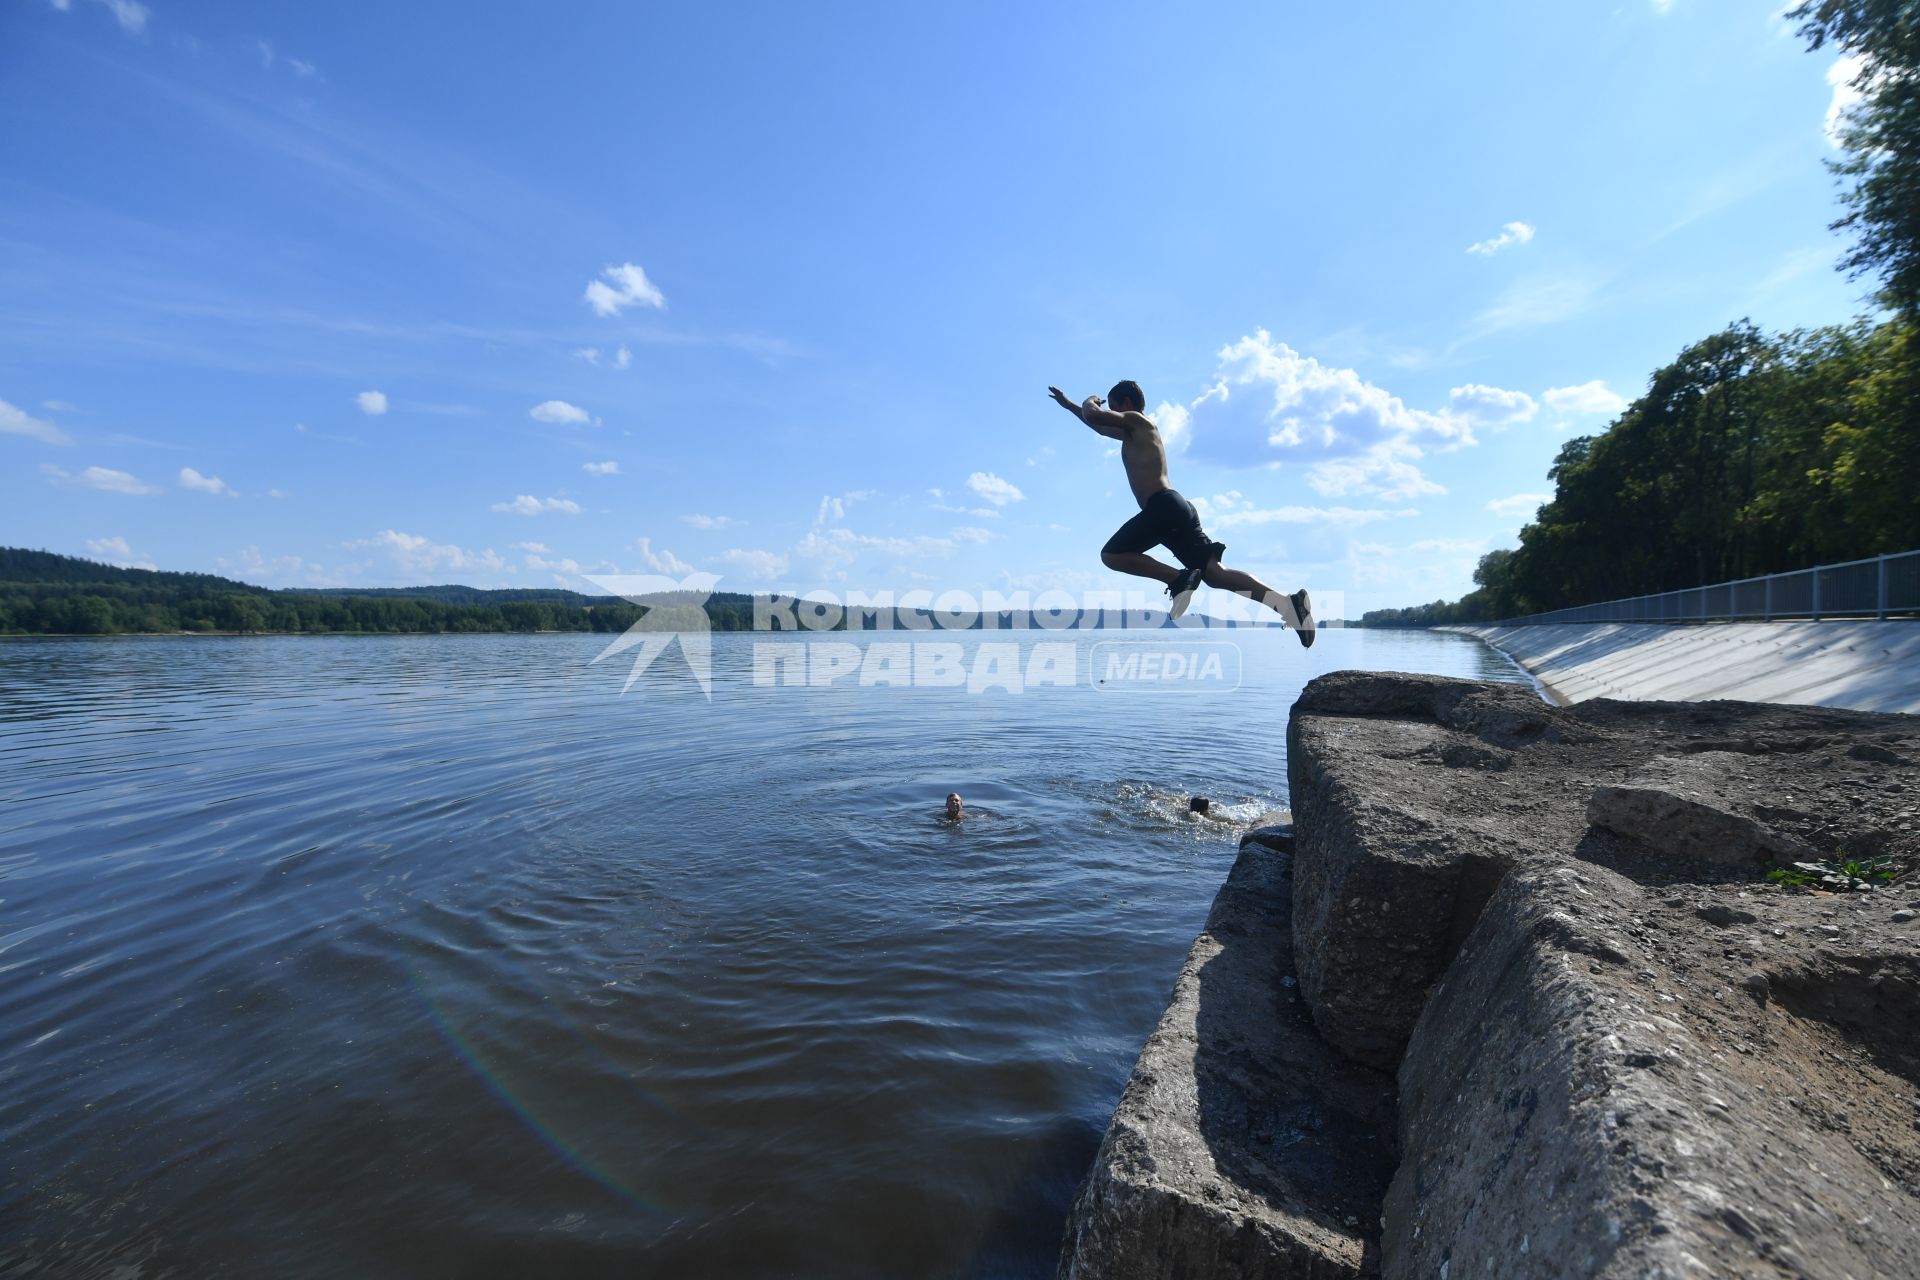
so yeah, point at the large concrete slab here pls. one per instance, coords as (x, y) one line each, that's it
(1621, 1081)
(1866, 666)
(1244, 1145)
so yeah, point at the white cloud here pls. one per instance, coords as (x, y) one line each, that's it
(528, 505)
(304, 69)
(251, 566)
(663, 560)
(756, 566)
(629, 287)
(1520, 504)
(536, 557)
(535, 548)
(101, 478)
(1382, 471)
(1269, 404)
(116, 552)
(1843, 76)
(372, 402)
(1451, 546)
(971, 533)
(1662, 6)
(1174, 421)
(277, 493)
(1491, 406)
(601, 468)
(130, 14)
(191, 479)
(833, 549)
(1511, 234)
(978, 513)
(418, 555)
(999, 492)
(835, 508)
(16, 422)
(699, 521)
(598, 359)
(57, 406)
(559, 411)
(1588, 397)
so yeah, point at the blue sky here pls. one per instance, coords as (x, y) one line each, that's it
(375, 294)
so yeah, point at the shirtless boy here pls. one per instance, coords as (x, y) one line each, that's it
(1167, 519)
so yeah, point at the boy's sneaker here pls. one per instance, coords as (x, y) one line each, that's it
(1182, 589)
(1303, 617)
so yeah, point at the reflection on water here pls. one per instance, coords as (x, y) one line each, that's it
(431, 956)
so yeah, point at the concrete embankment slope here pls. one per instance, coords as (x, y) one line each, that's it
(1865, 666)
(1515, 999)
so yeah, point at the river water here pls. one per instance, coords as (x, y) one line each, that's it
(437, 956)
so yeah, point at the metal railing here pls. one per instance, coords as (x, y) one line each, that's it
(1879, 587)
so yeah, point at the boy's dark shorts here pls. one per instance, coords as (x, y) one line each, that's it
(1168, 520)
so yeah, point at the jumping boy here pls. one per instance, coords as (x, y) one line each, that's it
(1167, 519)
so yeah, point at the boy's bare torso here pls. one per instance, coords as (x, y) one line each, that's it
(1144, 455)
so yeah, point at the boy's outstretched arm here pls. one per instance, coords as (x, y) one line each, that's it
(1091, 411)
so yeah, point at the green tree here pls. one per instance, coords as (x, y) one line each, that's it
(1881, 137)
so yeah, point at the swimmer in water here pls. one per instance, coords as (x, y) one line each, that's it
(1201, 807)
(954, 810)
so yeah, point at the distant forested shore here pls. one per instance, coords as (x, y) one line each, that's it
(42, 593)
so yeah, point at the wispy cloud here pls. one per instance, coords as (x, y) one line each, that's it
(1491, 406)
(1587, 398)
(601, 468)
(1520, 504)
(663, 560)
(130, 14)
(115, 551)
(373, 403)
(17, 422)
(104, 479)
(999, 492)
(599, 359)
(754, 565)
(1511, 234)
(559, 411)
(621, 287)
(418, 555)
(191, 479)
(1530, 302)
(1846, 77)
(528, 505)
(699, 521)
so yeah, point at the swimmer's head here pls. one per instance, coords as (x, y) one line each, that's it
(1126, 395)
(1198, 804)
(953, 804)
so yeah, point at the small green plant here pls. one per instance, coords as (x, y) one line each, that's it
(1840, 873)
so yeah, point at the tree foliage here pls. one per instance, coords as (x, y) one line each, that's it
(1747, 455)
(1881, 137)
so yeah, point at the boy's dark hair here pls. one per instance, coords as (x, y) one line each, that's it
(1198, 804)
(1129, 390)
